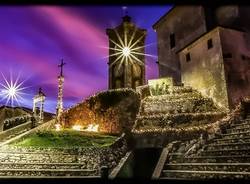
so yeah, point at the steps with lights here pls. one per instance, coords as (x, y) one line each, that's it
(182, 107)
(225, 156)
(45, 162)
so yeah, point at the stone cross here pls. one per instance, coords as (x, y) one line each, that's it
(61, 66)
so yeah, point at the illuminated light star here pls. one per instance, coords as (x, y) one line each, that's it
(12, 91)
(127, 49)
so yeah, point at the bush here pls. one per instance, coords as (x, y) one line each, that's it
(114, 111)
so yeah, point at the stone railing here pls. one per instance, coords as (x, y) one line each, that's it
(29, 132)
(16, 130)
(163, 158)
(112, 155)
(15, 121)
(116, 172)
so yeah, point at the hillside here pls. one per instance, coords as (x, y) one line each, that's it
(114, 111)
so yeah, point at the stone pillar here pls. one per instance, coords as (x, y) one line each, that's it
(41, 117)
(60, 98)
(42, 110)
(39, 98)
(34, 107)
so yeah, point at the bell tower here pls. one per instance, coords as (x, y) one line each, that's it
(126, 55)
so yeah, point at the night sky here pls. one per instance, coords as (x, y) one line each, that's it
(33, 39)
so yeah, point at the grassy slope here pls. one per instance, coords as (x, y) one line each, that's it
(66, 138)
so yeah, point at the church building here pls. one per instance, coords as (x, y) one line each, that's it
(126, 55)
(207, 48)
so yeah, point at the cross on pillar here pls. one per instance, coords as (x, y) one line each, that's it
(59, 108)
(125, 11)
(61, 66)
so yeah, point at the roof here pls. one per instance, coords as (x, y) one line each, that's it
(163, 17)
(125, 19)
(217, 27)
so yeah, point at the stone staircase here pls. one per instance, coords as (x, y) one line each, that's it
(20, 162)
(226, 156)
(181, 107)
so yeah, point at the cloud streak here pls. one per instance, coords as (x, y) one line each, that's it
(35, 38)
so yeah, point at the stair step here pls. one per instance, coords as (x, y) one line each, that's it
(238, 129)
(175, 96)
(239, 151)
(34, 157)
(237, 145)
(216, 159)
(235, 135)
(240, 123)
(159, 116)
(248, 132)
(237, 167)
(51, 177)
(20, 165)
(47, 172)
(18, 152)
(233, 140)
(162, 120)
(183, 105)
(204, 174)
(169, 99)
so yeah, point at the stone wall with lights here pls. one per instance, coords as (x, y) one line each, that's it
(182, 113)
(202, 68)
(221, 71)
(114, 111)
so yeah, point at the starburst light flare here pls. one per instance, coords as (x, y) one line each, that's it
(12, 90)
(126, 49)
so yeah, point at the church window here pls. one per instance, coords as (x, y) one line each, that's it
(172, 40)
(227, 55)
(244, 57)
(188, 57)
(209, 44)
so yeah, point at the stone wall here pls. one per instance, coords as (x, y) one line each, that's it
(205, 70)
(236, 51)
(221, 72)
(16, 130)
(114, 111)
(186, 23)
